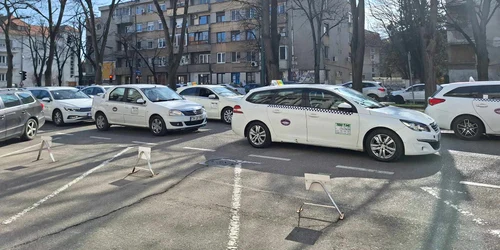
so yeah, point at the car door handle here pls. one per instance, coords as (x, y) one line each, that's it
(276, 111)
(482, 105)
(313, 115)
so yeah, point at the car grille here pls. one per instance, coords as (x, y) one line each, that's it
(191, 123)
(192, 112)
(435, 145)
(435, 127)
(85, 109)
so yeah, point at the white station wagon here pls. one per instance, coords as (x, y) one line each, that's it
(333, 116)
(145, 105)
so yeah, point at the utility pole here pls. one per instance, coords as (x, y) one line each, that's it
(22, 61)
(262, 53)
(411, 80)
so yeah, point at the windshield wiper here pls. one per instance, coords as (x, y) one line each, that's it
(167, 100)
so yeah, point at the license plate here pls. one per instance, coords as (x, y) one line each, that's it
(196, 118)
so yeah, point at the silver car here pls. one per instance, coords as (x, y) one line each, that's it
(21, 115)
(374, 90)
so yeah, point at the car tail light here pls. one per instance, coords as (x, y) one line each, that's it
(434, 101)
(381, 89)
(43, 106)
(237, 109)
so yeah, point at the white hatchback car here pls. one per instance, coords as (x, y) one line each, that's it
(216, 99)
(145, 105)
(415, 93)
(471, 109)
(333, 116)
(374, 90)
(63, 104)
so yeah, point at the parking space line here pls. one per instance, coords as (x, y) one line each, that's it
(479, 184)
(270, 157)
(495, 233)
(366, 170)
(23, 149)
(146, 143)
(64, 134)
(234, 223)
(470, 154)
(100, 138)
(61, 189)
(200, 149)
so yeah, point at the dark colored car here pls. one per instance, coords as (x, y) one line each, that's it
(21, 115)
(251, 86)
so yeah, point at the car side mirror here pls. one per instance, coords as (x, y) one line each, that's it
(46, 99)
(212, 96)
(100, 94)
(140, 101)
(345, 106)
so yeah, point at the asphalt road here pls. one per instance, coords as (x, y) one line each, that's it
(212, 190)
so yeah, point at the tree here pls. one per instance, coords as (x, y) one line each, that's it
(37, 40)
(322, 16)
(428, 40)
(64, 51)
(358, 42)
(475, 15)
(76, 38)
(173, 60)
(126, 41)
(9, 8)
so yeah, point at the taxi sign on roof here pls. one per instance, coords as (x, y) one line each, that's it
(276, 83)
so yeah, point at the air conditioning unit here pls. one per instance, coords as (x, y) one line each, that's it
(254, 64)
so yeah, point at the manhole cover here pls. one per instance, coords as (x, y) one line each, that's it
(222, 163)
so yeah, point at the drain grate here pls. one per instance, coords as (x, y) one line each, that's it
(15, 168)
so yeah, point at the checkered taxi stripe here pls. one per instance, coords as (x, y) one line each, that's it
(331, 111)
(487, 100)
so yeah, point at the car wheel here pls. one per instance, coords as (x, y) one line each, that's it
(384, 145)
(399, 100)
(157, 126)
(30, 130)
(101, 122)
(374, 97)
(57, 118)
(227, 115)
(468, 128)
(258, 135)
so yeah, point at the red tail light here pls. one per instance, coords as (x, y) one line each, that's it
(43, 106)
(434, 101)
(381, 89)
(237, 110)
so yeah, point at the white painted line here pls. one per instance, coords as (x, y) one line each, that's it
(200, 149)
(100, 138)
(495, 233)
(446, 190)
(270, 157)
(61, 189)
(23, 149)
(234, 223)
(146, 143)
(64, 134)
(478, 155)
(366, 170)
(479, 184)
(169, 141)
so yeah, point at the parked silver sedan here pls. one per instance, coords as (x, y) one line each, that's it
(21, 115)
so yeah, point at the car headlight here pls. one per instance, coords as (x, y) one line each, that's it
(416, 126)
(174, 112)
(71, 109)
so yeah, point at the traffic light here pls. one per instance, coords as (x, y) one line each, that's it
(110, 78)
(23, 75)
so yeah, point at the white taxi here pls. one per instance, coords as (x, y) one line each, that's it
(145, 105)
(333, 116)
(216, 99)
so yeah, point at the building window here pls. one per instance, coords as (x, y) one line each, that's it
(235, 56)
(251, 13)
(162, 61)
(373, 57)
(138, 27)
(177, 40)
(252, 56)
(151, 26)
(282, 31)
(204, 1)
(237, 15)
(281, 8)
(251, 35)
(129, 29)
(203, 20)
(139, 10)
(198, 37)
(150, 8)
(160, 25)
(373, 69)
(250, 77)
(204, 59)
(2, 77)
(163, 7)
(220, 78)
(373, 75)
(150, 44)
(283, 53)
(221, 57)
(221, 37)
(138, 45)
(139, 63)
(3, 59)
(220, 17)
(161, 43)
(235, 35)
(326, 29)
(326, 51)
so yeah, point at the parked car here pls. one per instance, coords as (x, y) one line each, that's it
(80, 87)
(64, 104)
(147, 105)
(251, 86)
(217, 100)
(95, 90)
(470, 109)
(235, 88)
(408, 94)
(21, 115)
(374, 90)
(333, 116)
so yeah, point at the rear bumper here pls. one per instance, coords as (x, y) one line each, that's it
(238, 124)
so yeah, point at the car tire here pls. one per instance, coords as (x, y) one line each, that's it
(399, 100)
(101, 122)
(227, 115)
(374, 97)
(30, 130)
(468, 128)
(157, 125)
(380, 142)
(57, 118)
(258, 135)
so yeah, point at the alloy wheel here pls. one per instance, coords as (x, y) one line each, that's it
(156, 126)
(467, 128)
(383, 146)
(31, 128)
(100, 121)
(228, 115)
(257, 135)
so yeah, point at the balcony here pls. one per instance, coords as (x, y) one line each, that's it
(198, 67)
(198, 47)
(198, 8)
(123, 19)
(3, 65)
(198, 28)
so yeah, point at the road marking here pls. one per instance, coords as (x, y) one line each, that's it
(169, 141)
(146, 143)
(479, 184)
(270, 157)
(100, 138)
(446, 190)
(64, 134)
(234, 223)
(470, 154)
(61, 189)
(23, 149)
(200, 149)
(366, 170)
(495, 233)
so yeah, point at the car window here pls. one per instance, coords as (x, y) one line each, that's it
(288, 97)
(25, 98)
(205, 92)
(492, 91)
(348, 85)
(161, 94)
(65, 94)
(190, 92)
(88, 91)
(263, 97)
(324, 99)
(10, 100)
(133, 95)
(40, 94)
(466, 92)
(117, 95)
(98, 91)
(420, 88)
(226, 92)
(368, 85)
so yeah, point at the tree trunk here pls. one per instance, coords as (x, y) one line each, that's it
(358, 43)
(10, 57)
(98, 74)
(428, 38)
(483, 60)
(317, 52)
(172, 77)
(275, 42)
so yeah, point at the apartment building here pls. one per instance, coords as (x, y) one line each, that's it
(221, 45)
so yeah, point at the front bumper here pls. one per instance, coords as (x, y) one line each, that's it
(74, 116)
(421, 143)
(186, 122)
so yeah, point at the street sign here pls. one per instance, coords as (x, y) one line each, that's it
(138, 72)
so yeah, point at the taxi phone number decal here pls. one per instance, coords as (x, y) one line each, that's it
(342, 128)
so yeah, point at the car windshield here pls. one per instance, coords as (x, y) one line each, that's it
(64, 94)
(161, 94)
(224, 91)
(355, 96)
